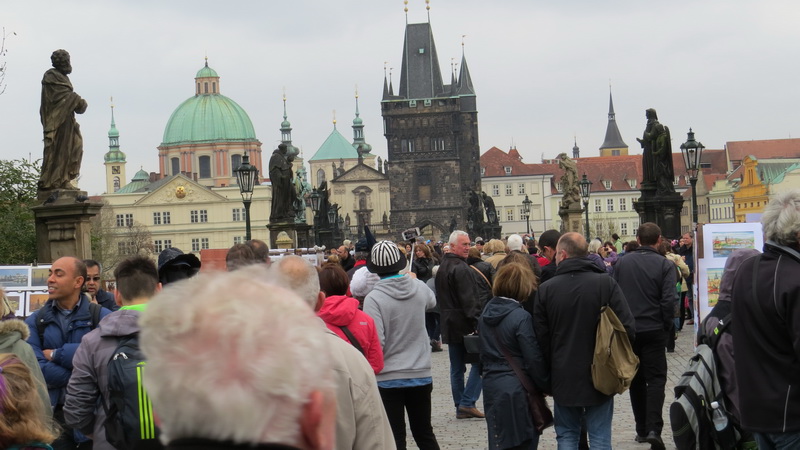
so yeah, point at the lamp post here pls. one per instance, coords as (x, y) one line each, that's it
(586, 190)
(692, 150)
(246, 175)
(526, 209)
(315, 201)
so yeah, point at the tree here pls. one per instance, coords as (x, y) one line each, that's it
(3, 53)
(113, 240)
(18, 179)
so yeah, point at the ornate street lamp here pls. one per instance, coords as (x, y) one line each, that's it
(526, 209)
(316, 198)
(586, 191)
(692, 150)
(246, 176)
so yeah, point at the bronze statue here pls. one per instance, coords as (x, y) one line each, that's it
(63, 144)
(301, 189)
(488, 204)
(657, 155)
(569, 181)
(283, 194)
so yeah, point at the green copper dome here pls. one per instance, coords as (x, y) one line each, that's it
(206, 72)
(208, 118)
(335, 147)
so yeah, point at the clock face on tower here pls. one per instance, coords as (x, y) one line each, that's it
(115, 169)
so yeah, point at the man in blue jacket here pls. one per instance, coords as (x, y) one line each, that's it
(64, 319)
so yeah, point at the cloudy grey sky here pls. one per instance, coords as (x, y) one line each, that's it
(541, 70)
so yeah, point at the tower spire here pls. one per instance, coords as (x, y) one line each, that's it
(359, 143)
(464, 79)
(114, 159)
(286, 126)
(613, 145)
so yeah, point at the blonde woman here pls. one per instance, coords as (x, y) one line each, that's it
(22, 421)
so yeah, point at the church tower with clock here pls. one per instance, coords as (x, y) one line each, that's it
(114, 160)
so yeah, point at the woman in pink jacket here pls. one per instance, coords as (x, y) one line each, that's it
(342, 316)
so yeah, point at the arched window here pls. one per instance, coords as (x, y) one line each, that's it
(214, 87)
(236, 161)
(116, 184)
(362, 201)
(198, 88)
(205, 87)
(205, 166)
(320, 176)
(176, 165)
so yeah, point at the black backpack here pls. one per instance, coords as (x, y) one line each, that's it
(129, 414)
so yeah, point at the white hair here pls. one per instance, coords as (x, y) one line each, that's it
(454, 236)
(594, 246)
(233, 356)
(299, 275)
(781, 219)
(514, 242)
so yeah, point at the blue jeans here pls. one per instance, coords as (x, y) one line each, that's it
(463, 396)
(777, 441)
(567, 420)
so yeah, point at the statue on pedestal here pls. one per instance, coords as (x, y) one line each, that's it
(283, 194)
(569, 182)
(63, 144)
(301, 189)
(657, 155)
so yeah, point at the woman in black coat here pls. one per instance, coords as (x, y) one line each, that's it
(422, 264)
(504, 323)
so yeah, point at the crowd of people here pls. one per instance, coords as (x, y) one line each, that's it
(285, 354)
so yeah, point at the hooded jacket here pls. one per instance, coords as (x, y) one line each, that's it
(13, 334)
(89, 382)
(566, 314)
(57, 371)
(342, 311)
(504, 396)
(398, 306)
(766, 340)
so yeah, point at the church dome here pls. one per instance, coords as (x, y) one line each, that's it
(208, 116)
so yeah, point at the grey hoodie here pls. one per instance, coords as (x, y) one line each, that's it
(398, 305)
(89, 378)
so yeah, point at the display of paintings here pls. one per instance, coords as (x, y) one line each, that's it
(11, 276)
(721, 239)
(36, 301)
(39, 275)
(16, 300)
(709, 277)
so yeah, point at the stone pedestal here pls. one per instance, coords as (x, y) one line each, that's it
(571, 219)
(491, 231)
(662, 209)
(62, 225)
(297, 232)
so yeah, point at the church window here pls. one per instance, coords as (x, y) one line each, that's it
(214, 87)
(320, 177)
(198, 88)
(176, 165)
(116, 184)
(205, 87)
(362, 201)
(424, 184)
(236, 161)
(205, 166)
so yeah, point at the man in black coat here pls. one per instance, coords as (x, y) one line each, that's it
(460, 296)
(648, 281)
(566, 313)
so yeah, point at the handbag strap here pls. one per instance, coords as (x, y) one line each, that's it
(482, 275)
(352, 339)
(523, 378)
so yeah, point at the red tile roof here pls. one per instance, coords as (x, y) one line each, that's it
(764, 149)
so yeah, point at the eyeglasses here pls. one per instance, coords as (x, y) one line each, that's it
(95, 279)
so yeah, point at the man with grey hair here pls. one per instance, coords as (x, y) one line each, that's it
(252, 371)
(460, 296)
(766, 308)
(361, 421)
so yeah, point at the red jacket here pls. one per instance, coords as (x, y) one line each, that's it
(341, 310)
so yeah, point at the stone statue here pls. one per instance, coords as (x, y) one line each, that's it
(283, 194)
(488, 204)
(301, 189)
(475, 211)
(657, 155)
(569, 182)
(63, 144)
(453, 224)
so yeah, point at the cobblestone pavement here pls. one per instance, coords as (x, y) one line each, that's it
(471, 433)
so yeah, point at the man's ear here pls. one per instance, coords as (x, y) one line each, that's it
(318, 422)
(320, 301)
(117, 297)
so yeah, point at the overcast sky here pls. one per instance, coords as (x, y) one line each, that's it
(541, 70)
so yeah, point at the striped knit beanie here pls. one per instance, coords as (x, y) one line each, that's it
(385, 258)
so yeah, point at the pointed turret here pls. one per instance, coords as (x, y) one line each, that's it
(613, 145)
(464, 79)
(114, 159)
(286, 137)
(385, 86)
(576, 151)
(420, 76)
(359, 143)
